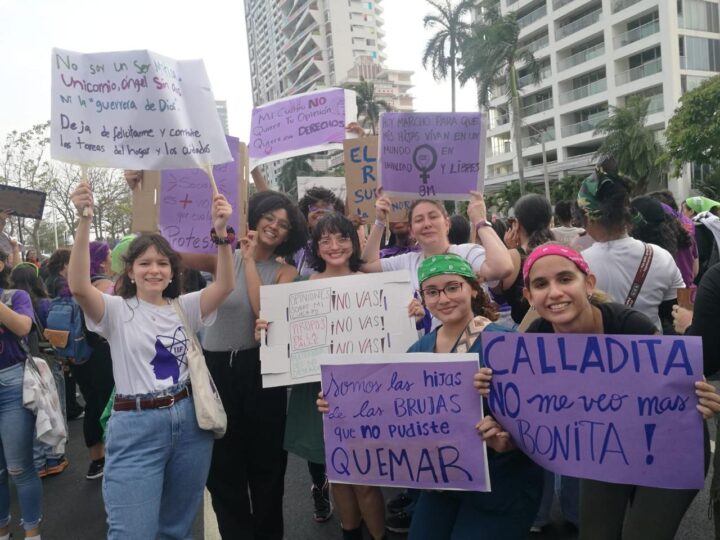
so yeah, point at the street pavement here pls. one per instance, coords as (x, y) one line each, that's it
(73, 508)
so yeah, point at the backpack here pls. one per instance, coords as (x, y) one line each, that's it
(65, 330)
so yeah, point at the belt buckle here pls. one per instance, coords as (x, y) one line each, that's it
(172, 402)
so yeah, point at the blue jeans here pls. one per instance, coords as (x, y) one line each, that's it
(156, 465)
(505, 513)
(17, 431)
(43, 452)
(568, 490)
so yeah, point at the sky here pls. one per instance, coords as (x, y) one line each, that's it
(213, 30)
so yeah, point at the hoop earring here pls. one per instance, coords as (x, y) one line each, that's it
(132, 281)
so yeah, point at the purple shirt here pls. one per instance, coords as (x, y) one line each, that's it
(392, 251)
(10, 351)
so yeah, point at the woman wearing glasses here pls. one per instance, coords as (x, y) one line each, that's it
(249, 462)
(334, 252)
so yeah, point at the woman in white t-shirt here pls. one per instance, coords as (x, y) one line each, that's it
(157, 458)
(616, 258)
(429, 226)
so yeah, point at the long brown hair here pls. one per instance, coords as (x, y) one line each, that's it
(481, 304)
(126, 288)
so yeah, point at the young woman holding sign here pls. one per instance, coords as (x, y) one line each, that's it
(334, 252)
(450, 290)
(561, 287)
(247, 475)
(429, 225)
(157, 456)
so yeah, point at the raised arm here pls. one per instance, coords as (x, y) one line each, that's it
(202, 262)
(371, 253)
(215, 294)
(498, 263)
(252, 276)
(90, 299)
(260, 180)
(17, 323)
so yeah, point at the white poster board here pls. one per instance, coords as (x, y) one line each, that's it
(133, 110)
(336, 184)
(360, 314)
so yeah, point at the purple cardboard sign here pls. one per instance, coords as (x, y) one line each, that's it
(186, 202)
(432, 155)
(614, 408)
(405, 423)
(302, 124)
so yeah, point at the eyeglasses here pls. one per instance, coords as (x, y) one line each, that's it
(281, 223)
(314, 209)
(330, 241)
(451, 290)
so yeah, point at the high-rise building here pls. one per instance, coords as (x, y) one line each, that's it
(221, 107)
(595, 54)
(297, 46)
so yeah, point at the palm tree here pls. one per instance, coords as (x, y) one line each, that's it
(490, 55)
(442, 49)
(633, 145)
(291, 169)
(368, 106)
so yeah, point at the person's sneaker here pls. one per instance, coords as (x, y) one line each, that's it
(96, 469)
(321, 501)
(55, 466)
(398, 503)
(399, 523)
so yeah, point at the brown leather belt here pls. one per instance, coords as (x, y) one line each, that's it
(125, 404)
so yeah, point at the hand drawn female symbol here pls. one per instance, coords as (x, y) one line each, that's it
(424, 158)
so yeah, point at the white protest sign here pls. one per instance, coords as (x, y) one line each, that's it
(360, 314)
(133, 110)
(336, 184)
(301, 124)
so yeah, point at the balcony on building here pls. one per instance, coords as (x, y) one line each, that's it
(536, 103)
(654, 95)
(583, 86)
(534, 12)
(578, 20)
(639, 66)
(699, 53)
(698, 15)
(498, 117)
(579, 54)
(535, 42)
(500, 145)
(526, 79)
(557, 4)
(538, 133)
(583, 120)
(619, 5)
(638, 29)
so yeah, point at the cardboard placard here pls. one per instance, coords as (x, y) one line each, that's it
(21, 202)
(359, 314)
(404, 420)
(437, 156)
(361, 180)
(133, 110)
(617, 408)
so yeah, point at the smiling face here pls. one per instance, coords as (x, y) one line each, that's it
(559, 290)
(152, 273)
(449, 298)
(318, 210)
(335, 249)
(429, 225)
(273, 228)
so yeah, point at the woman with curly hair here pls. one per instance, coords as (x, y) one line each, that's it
(247, 474)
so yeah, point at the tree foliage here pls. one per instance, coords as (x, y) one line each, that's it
(443, 48)
(505, 199)
(291, 169)
(566, 188)
(25, 163)
(633, 145)
(369, 107)
(693, 133)
(490, 56)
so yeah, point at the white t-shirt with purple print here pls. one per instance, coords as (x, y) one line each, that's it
(148, 342)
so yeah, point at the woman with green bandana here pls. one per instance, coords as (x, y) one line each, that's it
(639, 275)
(450, 290)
